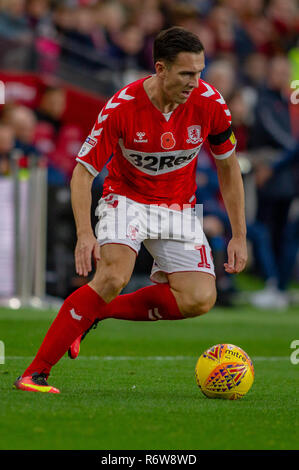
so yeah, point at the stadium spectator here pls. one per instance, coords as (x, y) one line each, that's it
(221, 74)
(80, 40)
(280, 269)
(221, 20)
(111, 17)
(253, 77)
(127, 45)
(272, 131)
(13, 21)
(184, 15)
(52, 106)
(261, 34)
(54, 138)
(150, 23)
(23, 122)
(255, 70)
(63, 19)
(241, 124)
(272, 126)
(283, 15)
(232, 40)
(39, 15)
(7, 142)
(46, 53)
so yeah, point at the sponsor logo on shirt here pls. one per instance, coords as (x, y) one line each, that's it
(140, 136)
(158, 163)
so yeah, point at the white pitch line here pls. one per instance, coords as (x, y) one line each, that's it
(151, 358)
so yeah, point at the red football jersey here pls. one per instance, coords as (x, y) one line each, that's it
(154, 155)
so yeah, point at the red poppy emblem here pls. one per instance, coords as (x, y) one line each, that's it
(167, 140)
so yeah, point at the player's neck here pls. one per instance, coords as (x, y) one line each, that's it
(157, 97)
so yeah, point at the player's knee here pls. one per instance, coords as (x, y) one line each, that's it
(115, 283)
(199, 303)
(109, 284)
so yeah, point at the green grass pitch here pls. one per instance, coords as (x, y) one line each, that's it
(133, 386)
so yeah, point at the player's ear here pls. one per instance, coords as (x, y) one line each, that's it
(160, 67)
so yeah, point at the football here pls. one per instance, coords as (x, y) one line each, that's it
(224, 371)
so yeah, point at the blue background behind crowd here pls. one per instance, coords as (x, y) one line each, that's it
(252, 58)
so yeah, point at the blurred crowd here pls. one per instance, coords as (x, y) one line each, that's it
(118, 34)
(252, 58)
(40, 134)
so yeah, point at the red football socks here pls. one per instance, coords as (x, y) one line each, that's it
(76, 315)
(84, 306)
(155, 302)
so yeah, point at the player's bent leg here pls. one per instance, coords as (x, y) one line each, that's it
(77, 314)
(195, 292)
(113, 272)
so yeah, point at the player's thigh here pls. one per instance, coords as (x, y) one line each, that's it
(114, 269)
(195, 292)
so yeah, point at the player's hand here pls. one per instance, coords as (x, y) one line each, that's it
(237, 255)
(86, 248)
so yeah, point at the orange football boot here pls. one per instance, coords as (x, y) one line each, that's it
(74, 349)
(35, 383)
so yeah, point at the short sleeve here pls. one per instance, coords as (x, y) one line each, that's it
(100, 143)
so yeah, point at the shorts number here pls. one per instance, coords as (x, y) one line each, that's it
(203, 256)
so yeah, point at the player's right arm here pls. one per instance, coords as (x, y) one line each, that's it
(87, 245)
(94, 153)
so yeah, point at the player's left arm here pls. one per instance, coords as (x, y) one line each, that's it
(232, 190)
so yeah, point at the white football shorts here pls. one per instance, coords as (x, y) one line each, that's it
(173, 237)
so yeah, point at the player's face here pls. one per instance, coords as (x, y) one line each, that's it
(180, 77)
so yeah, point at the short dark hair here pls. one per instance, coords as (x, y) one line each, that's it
(170, 42)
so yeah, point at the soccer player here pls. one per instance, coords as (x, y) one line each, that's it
(154, 128)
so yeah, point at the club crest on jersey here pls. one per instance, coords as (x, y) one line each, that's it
(167, 140)
(141, 138)
(194, 135)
